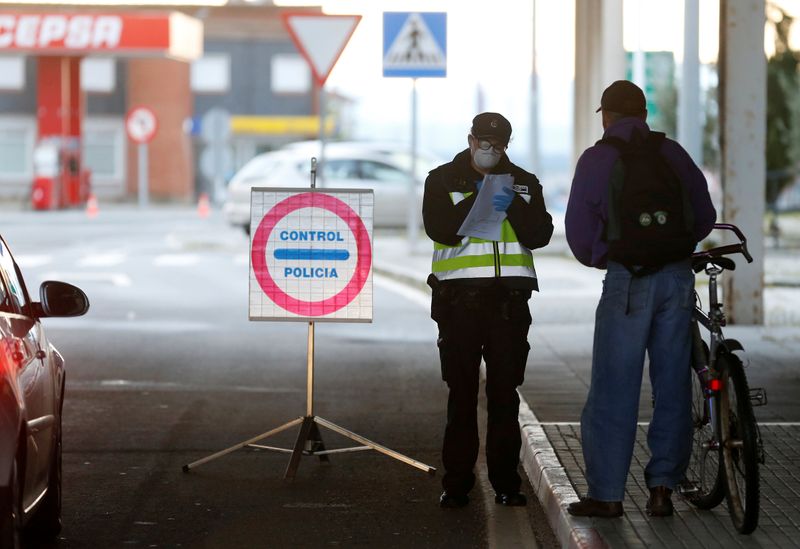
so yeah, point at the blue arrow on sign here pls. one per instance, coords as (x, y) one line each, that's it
(415, 44)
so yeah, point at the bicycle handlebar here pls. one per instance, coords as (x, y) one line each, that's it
(729, 249)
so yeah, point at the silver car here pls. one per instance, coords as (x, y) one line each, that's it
(31, 400)
(344, 166)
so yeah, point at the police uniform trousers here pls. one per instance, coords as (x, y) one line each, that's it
(490, 323)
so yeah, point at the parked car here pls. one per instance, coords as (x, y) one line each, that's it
(351, 165)
(31, 401)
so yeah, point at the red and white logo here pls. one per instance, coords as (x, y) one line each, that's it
(82, 32)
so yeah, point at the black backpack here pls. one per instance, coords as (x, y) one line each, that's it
(650, 219)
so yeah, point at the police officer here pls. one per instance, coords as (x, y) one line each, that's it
(480, 299)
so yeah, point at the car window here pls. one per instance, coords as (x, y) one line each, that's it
(338, 169)
(13, 298)
(258, 168)
(379, 171)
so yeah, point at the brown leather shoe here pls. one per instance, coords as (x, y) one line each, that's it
(659, 504)
(588, 507)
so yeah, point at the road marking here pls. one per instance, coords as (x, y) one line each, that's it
(102, 260)
(33, 261)
(416, 296)
(131, 385)
(506, 526)
(175, 260)
(145, 326)
(117, 279)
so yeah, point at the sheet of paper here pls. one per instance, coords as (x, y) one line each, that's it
(483, 221)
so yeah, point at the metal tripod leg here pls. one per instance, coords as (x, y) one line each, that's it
(248, 442)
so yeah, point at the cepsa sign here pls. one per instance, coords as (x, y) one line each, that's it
(81, 33)
(311, 255)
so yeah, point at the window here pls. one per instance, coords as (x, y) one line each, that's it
(103, 149)
(289, 73)
(211, 74)
(12, 73)
(17, 135)
(97, 75)
(382, 172)
(14, 295)
(340, 169)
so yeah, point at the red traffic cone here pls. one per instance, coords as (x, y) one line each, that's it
(92, 209)
(203, 207)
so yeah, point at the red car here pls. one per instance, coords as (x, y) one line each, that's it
(31, 400)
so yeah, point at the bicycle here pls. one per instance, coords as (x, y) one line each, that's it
(726, 443)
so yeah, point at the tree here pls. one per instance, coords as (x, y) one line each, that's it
(783, 109)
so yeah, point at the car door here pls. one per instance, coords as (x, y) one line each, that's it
(391, 191)
(36, 381)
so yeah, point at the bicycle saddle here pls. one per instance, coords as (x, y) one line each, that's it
(699, 263)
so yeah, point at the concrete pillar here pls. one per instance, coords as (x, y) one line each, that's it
(690, 119)
(599, 60)
(743, 88)
(163, 86)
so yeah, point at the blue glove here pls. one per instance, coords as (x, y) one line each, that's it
(478, 186)
(503, 200)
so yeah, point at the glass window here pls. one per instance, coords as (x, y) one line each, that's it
(340, 169)
(382, 172)
(100, 148)
(211, 74)
(289, 73)
(14, 151)
(14, 295)
(103, 145)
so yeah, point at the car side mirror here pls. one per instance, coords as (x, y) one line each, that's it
(61, 299)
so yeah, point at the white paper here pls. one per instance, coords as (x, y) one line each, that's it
(483, 221)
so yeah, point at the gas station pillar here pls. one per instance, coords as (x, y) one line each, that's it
(163, 86)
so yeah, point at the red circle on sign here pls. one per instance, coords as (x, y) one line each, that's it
(259, 261)
(141, 124)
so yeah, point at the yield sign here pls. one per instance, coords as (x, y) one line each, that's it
(320, 38)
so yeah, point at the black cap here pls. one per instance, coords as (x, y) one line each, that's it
(623, 97)
(491, 124)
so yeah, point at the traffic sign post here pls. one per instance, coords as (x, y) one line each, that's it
(320, 39)
(311, 260)
(141, 125)
(415, 46)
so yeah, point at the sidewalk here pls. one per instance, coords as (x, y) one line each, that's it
(555, 389)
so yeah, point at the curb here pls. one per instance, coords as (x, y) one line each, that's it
(552, 485)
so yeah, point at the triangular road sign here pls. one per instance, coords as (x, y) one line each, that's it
(320, 38)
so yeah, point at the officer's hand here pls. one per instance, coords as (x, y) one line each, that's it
(503, 200)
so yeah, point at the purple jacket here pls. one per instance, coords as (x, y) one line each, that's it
(587, 209)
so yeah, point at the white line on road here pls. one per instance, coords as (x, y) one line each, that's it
(33, 261)
(131, 385)
(506, 526)
(102, 260)
(175, 260)
(117, 279)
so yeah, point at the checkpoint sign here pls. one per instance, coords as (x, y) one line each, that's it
(311, 254)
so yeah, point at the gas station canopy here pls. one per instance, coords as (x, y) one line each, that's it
(166, 34)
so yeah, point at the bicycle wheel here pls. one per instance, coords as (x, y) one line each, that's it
(703, 486)
(739, 444)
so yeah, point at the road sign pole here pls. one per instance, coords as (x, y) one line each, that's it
(143, 176)
(413, 215)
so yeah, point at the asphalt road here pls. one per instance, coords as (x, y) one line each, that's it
(166, 369)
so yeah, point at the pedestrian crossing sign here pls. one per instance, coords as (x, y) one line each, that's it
(415, 44)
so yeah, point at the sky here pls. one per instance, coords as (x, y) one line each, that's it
(489, 66)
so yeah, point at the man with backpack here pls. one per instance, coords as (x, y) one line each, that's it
(637, 208)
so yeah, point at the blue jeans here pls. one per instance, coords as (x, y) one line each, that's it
(651, 313)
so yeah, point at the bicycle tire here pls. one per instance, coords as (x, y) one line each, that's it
(739, 445)
(703, 486)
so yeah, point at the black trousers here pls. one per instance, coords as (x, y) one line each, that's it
(490, 323)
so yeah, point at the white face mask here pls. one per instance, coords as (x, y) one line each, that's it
(486, 160)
